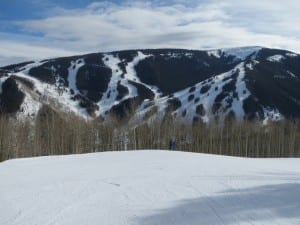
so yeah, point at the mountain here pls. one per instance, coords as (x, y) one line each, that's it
(252, 83)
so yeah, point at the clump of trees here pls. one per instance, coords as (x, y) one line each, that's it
(53, 133)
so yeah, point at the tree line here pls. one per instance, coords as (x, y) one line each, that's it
(52, 133)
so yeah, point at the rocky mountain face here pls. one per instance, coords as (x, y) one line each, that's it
(243, 83)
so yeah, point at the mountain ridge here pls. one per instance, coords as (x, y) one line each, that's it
(191, 85)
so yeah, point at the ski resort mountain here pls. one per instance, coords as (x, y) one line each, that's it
(253, 83)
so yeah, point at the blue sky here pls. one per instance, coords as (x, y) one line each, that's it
(29, 9)
(37, 29)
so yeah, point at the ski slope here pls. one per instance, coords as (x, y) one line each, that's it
(149, 188)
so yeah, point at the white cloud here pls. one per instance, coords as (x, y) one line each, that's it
(14, 52)
(204, 24)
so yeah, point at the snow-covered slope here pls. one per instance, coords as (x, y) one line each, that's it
(239, 53)
(149, 187)
(206, 99)
(242, 83)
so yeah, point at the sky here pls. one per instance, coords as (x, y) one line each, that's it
(39, 29)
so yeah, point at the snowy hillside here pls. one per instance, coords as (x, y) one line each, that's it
(149, 187)
(242, 83)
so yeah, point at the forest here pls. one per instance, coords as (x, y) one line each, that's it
(52, 133)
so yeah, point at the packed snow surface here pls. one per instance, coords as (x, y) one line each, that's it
(148, 188)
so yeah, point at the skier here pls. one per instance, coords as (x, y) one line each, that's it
(172, 144)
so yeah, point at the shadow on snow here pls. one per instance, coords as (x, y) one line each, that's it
(258, 204)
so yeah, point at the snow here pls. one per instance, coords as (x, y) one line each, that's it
(252, 64)
(52, 93)
(131, 73)
(177, 55)
(276, 58)
(291, 74)
(73, 69)
(271, 114)
(207, 99)
(189, 55)
(291, 54)
(29, 107)
(25, 69)
(149, 187)
(112, 62)
(216, 53)
(242, 91)
(49, 96)
(109, 97)
(242, 52)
